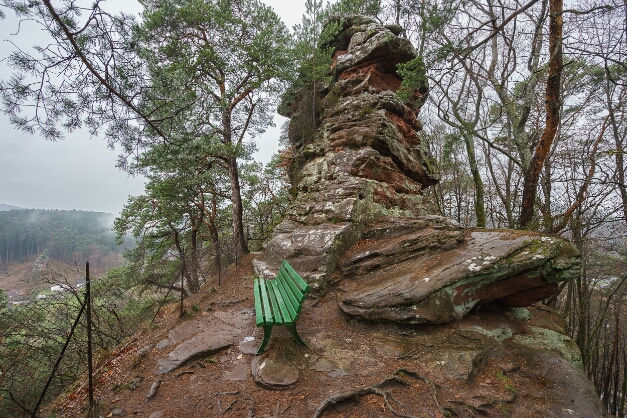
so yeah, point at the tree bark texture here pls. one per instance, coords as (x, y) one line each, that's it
(237, 211)
(552, 105)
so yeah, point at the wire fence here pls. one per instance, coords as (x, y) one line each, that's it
(48, 344)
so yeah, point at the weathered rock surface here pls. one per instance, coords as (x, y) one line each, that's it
(496, 362)
(362, 162)
(358, 168)
(204, 337)
(573, 394)
(428, 270)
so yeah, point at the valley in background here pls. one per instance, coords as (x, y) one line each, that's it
(36, 242)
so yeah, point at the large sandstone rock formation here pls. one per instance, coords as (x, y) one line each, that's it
(358, 168)
(362, 162)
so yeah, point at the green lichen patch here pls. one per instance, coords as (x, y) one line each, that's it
(552, 341)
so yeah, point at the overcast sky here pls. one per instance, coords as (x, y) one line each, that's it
(79, 172)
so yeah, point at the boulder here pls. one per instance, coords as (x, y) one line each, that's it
(272, 373)
(205, 337)
(429, 270)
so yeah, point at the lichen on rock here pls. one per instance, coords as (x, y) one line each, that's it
(435, 272)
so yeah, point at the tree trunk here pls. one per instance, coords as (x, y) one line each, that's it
(182, 257)
(552, 104)
(608, 369)
(621, 410)
(476, 177)
(194, 282)
(581, 323)
(215, 238)
(237, 209)
(618, 155)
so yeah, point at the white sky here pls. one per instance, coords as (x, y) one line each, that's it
(79, 172)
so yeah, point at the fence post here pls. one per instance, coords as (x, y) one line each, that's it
(89, 352)
(182, 284)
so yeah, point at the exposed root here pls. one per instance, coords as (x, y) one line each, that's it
(375, 389)
(224, 304)
(471, 408)
(481, 407)
(434, 388)
(251, 411)
(315, 302)
(153, 390)
(229, 407)
(287, 407)
(227, 393)
(219, 404)
(184, 372)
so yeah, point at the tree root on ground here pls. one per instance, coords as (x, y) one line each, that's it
(219, 404)
(224, 304)
(480, 408)
(377, 389)
(153, 390)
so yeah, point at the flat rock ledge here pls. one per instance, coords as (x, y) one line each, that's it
(272, 373)
(428, 270)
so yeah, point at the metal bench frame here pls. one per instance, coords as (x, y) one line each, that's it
(279, 302)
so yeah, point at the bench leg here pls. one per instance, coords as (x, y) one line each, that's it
(292, 330)
(267, 330)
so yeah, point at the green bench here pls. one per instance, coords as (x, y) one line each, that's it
(279, 301)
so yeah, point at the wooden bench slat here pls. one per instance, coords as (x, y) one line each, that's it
(295, 301)
(258, 312)
(290, 300)
(276, 310)
(287, 318)
(297, 295)
(267, 313)
(296, 277)
(300, 297)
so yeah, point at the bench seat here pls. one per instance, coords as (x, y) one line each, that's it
(279, 301)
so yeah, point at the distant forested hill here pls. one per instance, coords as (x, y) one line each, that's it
(60, 233)
(8, 207)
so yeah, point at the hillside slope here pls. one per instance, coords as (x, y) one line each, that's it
(494, 363)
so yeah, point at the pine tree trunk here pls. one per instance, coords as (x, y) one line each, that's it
(237, 209)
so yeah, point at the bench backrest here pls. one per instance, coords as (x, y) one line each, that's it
(288, 277)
